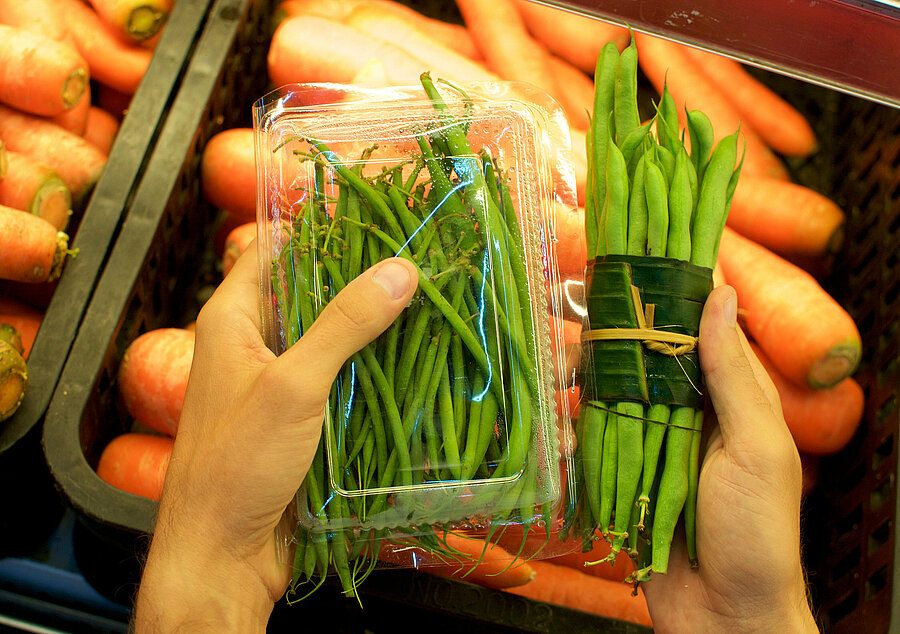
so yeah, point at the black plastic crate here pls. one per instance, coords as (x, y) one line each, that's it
(93, 232)
(152, 281)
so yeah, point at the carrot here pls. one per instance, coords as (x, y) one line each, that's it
(822, 422)
(136, 463)
(134, 19)
(575, 38)
(11, 336)
(101, 129)
(37, 16)
(788, 218)
(442, 60)
(153, 377)
(505, 43)
(569, 243)
(228, 172)
(562, 585)
(113, 101)
(75, 118)
(13, 380)
(779, 124)
(302, 50)
(76, 161)
(4, 162)
(31, 249)
(493, 566)
(666, 62)
(451, 35)
(807, 335)
(718, 276)
(574, 89)
(568, 402)
(579, 162)
(236, 243)
(37, 189)
(112, 62)
(39, 75)
(25, 319)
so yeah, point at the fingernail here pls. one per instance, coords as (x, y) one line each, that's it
(393, 278)
(729, 309)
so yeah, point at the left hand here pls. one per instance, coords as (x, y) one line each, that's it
(247, 435)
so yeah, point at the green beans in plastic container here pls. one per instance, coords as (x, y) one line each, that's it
(446, 424)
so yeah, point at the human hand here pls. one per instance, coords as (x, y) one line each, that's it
(246, 438)
(750, 577)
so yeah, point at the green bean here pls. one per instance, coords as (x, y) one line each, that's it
(700, 131)
(630, 452)
(667, 123)
(458, 385)
(602, 131)
(666, 162)
(678, 243)
(673, 486)
(637, 214)
(690, 505)
(426, 411)
(657, 208)
(625, 107)
(636, 142)
(374, 410)
(593, 424)
(616, 207)
(448, 427)
(711, 208)
(608, 468)
(658, 420)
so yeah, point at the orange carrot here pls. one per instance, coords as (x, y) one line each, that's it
(228, 172)
(4, 161)
(75, 118)
(451, 35)
(666, 62)
(302, 50)
(31, 249)
(37, 189)
(570, 245)
(13, 380)
(808, 336)
(236, 243)
(505, 43)
(153, 377)
(562, 585)
(616, 571)
(112, 62)
(575, 38)
(76, 161)
(579, 162)
(113, 101)
(822, 422)
(37, 16)
(574, 89)
(11, 336)
(441, 60)
(779, 124)
(493, 567)
(788, 218)
(101, 129)
(39, 75)
(25, 319)
(136, 463)
(134, 19)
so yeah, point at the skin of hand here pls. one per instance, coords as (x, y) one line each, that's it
(249, 428)
(750, 577)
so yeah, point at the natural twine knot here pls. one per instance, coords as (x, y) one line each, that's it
(664, 342)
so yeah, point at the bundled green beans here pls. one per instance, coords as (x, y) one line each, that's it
(654, 215)
(450, 393)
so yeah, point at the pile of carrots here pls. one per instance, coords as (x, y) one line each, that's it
(69, 68)
(805, 339)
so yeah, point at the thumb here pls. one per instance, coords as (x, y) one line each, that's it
(357, 315)
(738, 386)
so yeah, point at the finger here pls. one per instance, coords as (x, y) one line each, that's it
(238, 294)
(762, 377)
(733, 386)
(356, 316)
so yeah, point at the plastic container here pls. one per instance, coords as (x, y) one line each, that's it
(94, 232)
(447, 421)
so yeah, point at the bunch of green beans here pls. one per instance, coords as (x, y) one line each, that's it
(450, 393)
(647, 196)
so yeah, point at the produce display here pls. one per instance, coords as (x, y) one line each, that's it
(805, 339)
(69, 69)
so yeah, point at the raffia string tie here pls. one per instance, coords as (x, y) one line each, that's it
(669, 343)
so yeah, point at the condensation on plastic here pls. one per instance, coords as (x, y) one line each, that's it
(371, 129)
